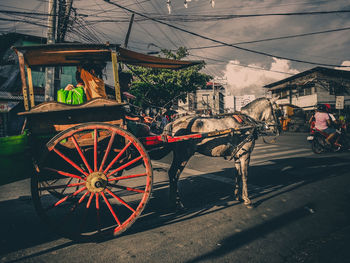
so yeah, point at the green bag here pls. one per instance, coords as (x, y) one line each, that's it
(74, 96)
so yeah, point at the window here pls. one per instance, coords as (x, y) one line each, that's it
(284, 94)
(191, 101)
(205, 100)
(307, 91)
(336, 90)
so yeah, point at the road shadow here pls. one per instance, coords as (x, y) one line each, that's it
(238, 240)
(264, 182)
(201, 196)
(285, 175)
(22, 228)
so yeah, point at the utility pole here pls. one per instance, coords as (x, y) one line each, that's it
(65, 7)
(63, 15)
(129, 30)
(50, 72)
(126, 41)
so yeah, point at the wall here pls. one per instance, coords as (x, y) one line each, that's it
(229, 103)
(205, 99)
(241, 101)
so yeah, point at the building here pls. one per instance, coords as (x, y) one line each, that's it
(208, 100)
(229, 101)
(11, 99)
(235, 103)
(312, 87)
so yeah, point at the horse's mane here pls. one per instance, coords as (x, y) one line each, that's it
(253, 103)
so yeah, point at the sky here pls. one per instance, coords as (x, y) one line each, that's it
(243, 68)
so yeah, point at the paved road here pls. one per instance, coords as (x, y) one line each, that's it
(301, 215)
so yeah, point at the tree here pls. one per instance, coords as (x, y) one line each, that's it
(158, 87)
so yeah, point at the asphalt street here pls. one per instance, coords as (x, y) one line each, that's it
(301, 214)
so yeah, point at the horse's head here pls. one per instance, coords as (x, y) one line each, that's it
(267, 111)
(273, 117)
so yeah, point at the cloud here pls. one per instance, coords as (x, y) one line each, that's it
(249, 79)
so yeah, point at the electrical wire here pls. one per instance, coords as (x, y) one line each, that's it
(259, 6)
(21, 21)
(160, 29)
(222, 42)
(274, 38)
(210, 17)
(243, 65)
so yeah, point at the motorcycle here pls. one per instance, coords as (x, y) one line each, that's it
(318, 142)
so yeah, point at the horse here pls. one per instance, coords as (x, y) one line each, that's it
(259, 114)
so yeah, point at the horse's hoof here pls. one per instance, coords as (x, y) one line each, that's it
(236, 197)
(177, 207)
(180, 208)
(249, 205)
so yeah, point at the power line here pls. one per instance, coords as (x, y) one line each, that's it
(22, 21)
(258, 6)
(82, 30)
(160, 29)
(108, 11)
(178, 36)
(244, 65)
(24, 13)
(211, 17)
(221, 42)
(274, 38)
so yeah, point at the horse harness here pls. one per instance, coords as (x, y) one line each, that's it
(251, 129)
(275, 118)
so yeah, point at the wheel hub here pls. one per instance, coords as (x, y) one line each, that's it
(96, 182)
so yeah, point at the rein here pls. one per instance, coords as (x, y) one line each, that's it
(274, 118)
(246, 140)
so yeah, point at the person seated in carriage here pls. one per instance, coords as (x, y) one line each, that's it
(80, 82)
(91, 75)
(90, 85)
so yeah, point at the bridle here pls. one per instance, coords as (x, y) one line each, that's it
(276, 125)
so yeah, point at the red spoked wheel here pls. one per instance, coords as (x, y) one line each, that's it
(93, 179)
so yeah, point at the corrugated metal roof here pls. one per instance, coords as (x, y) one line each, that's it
(326, 71)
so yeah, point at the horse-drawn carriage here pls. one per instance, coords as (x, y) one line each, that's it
(92, 176)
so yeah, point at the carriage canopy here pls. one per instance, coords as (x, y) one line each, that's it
(77, 54)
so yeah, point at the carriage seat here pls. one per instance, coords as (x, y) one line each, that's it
(54, 106)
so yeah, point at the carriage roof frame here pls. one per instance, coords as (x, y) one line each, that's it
(74, 54)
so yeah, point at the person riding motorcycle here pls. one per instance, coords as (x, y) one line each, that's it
(323, 121)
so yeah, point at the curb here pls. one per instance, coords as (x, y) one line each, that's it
(294, 133)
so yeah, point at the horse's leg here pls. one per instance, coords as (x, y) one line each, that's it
(180, 160)
(244, 160)
(237, 180)
(244, 171)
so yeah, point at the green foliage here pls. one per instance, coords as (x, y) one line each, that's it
(160, 86)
